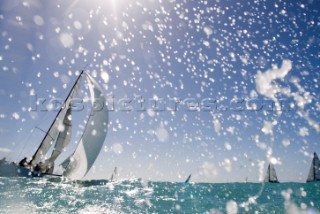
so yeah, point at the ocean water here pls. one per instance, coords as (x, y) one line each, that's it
(39, 195)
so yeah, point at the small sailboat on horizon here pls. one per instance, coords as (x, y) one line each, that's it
(188, 179)
(271, 176)
(114, 175)
(58, 137)
(314, 172)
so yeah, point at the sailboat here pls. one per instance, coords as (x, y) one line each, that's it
(314, 173)
(188, 179)
(114, 175)
(271, 176)
(57, 138)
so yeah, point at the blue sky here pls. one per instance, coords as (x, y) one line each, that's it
(170, 49)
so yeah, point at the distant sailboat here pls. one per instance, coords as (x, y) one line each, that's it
(271, 176)
(114, 175)
(314, 173)
(57, 137)
(188, 179)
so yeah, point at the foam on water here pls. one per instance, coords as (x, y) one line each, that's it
(136, 196)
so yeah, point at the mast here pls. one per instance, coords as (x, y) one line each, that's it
(269, 173)
(57, 116)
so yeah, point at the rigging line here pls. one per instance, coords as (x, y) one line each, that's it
(70, 93)
(25, 144)
(26, 140)
(43, 132)
(44, 118)
(85, 67)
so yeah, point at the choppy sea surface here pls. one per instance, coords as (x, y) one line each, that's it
(39, 195)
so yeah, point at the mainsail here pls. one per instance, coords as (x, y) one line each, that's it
(79, 163)
(56, 128)
(314, 173)
(271, 175)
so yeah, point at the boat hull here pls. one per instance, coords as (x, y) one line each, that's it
(12, 170)
(313, 181)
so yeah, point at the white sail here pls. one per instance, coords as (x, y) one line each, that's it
(62, 141)
(56, 127)
(314, 173)
(271, 175)
(79, 163)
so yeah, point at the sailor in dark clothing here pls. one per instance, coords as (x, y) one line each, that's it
(40, 167)
(24, 163)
